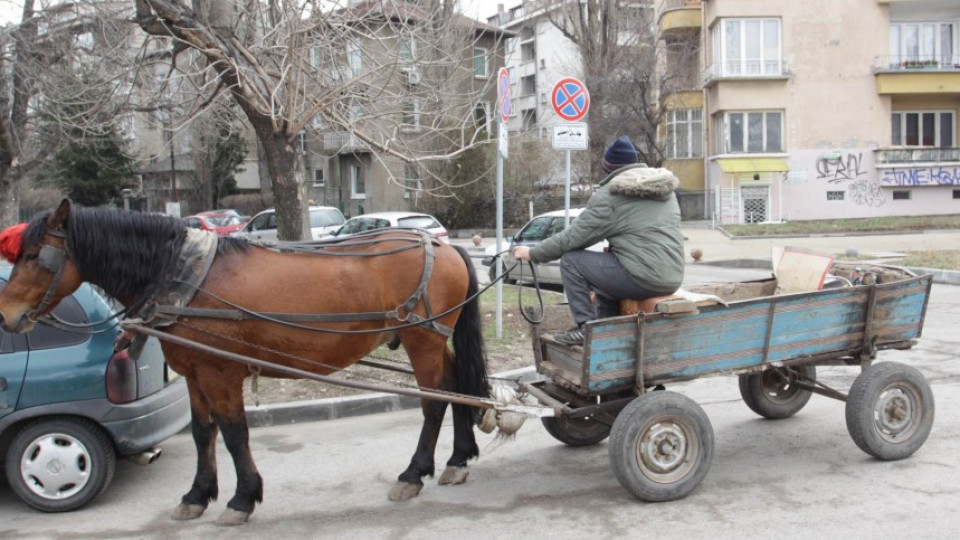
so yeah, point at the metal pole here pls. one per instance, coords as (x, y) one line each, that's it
(499, 287)
(566, 194)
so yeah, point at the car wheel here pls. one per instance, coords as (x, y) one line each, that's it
(61, 464)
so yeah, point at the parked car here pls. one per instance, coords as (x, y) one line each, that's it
(69, 404)
(381, 220)
(532, 234)
(263, 226)
(222, 222)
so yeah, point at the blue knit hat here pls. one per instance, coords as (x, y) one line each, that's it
(620, 153)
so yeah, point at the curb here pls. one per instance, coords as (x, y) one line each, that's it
(344, 407)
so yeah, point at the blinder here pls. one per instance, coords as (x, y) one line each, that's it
(52, 259)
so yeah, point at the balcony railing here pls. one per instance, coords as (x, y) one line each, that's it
(905, 156)
(670, 5)
(342, 141)
(899, 64)
(745, 69)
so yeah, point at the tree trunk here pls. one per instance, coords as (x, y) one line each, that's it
(286, 178)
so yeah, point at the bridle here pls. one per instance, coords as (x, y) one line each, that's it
(53, 259)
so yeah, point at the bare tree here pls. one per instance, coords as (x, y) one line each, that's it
(61, 66)
(295, 66)
(619, 53)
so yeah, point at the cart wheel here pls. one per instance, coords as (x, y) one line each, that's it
(661, 446)
(890, 410)
(61, 464)
(576, 431)
(771, 393)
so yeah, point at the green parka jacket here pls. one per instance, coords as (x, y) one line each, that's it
(636, 210)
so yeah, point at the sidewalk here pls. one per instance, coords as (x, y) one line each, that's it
(718, 249)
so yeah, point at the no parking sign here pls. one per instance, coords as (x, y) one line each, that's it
(570, 99)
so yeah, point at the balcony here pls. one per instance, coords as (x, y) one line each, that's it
(750, 70)
(343, 141)
(677, 17)
(917, 156)
(917, 74)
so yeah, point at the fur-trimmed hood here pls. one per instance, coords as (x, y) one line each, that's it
(642, 182)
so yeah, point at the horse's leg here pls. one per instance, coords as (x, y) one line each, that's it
(427, 366)
(236, 436)
(204, 488)
(464, 442)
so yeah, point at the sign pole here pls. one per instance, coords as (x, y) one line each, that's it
(503, 99)
(566, 195)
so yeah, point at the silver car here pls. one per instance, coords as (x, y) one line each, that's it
(263, 226)
(532, 234)
(382, 220)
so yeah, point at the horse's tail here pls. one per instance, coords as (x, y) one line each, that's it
(468, 346)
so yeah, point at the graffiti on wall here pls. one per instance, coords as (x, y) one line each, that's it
(922, 176)
(849, 170)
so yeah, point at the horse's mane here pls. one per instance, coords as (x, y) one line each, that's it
(128, 254)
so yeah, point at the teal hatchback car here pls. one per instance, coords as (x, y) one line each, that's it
(70, 405)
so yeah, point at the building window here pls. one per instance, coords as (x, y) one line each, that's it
(923, 128)
(408, 48)
(917, 44)
(528, 85)
(684, 133)
(481, 63)
(835, 195)
(302, 141)
(354, 59)
(481, 116)
(746, 47)
(410, 119)
(411, 181)
(750, 132)
(318, 178)
(956, 194)
(528, 52)
(529, 118)
(358, 186)
(901, 195)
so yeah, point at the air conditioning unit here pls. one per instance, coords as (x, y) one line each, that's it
(413, 77)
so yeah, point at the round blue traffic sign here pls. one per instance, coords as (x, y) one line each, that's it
(570, 99)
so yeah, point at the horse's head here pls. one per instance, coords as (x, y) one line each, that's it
(42, 274)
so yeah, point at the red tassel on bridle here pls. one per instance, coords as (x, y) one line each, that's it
(11, 240)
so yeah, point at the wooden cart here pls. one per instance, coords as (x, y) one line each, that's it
(661, 442)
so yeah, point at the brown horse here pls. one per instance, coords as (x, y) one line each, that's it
(368, 289)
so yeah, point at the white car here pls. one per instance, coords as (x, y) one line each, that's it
(263, 226)
(532, 234)
(381, 220)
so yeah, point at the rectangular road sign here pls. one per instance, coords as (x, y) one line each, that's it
(570, 136)
(503, 144)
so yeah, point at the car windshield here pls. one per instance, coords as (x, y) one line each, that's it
(325, 218)
(536, 230)
(223, 221)
(419, 222)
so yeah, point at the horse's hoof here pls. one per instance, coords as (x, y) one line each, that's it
(184, 511)
(404, 490)
(232, 517)
(453, 475)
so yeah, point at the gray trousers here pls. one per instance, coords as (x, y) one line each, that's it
(584, 271)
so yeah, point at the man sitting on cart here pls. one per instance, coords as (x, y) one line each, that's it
(636, 211)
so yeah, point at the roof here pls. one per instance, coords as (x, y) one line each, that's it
(390, 215)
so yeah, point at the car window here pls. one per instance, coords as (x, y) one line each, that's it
(193, 222)
(420, 222)
(558, 225)
(262, 222)
(223, 221)
(45, 337)
(325, 218)
(536, 230)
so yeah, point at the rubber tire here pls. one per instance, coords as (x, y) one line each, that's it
(870, 390)
(637, 418)
(97, 445)
(775, 407)
(576, 431)
(493, 275)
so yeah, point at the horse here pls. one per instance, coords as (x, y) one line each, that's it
(387, 286)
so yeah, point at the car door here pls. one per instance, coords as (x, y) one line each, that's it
(549, 272)
(263, 227)
(13, 368)
(534, 232)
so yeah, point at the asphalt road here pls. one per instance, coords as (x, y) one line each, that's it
(801, 477)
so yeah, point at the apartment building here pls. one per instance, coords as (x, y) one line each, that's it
(818, 110)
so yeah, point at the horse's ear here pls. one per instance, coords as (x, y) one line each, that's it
(58, 218)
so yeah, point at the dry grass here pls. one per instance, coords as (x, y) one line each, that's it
(830, 226)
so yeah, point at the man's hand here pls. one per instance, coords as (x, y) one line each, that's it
(521, 253)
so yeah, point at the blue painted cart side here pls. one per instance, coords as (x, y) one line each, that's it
(747, 335)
